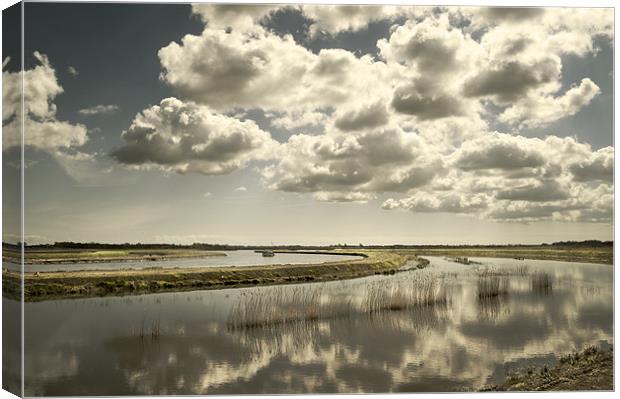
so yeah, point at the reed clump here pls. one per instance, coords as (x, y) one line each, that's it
(522, 270)
(307, 304)
(491, 286)
(144, 331)
(278, 306)
(541, 283)
(422, 293)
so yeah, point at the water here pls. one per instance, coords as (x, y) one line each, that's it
(183, 343)
(232, 258)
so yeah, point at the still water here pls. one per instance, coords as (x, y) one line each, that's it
(232, 258)
(194, 342)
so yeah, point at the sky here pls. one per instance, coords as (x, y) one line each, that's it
(315, 125)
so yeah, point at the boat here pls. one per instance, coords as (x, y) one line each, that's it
(268, 254)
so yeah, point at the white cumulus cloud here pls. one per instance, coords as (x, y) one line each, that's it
(185, 137)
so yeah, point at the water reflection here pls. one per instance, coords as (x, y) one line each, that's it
(96, 347)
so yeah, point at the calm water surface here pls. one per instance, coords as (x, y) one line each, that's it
(185, 343)
(232, 258)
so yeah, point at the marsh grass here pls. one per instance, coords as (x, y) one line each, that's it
(143, 331)
(423, 292)
(541, 283)
(522, 270)
(276, 306)
(491, 285)
(285, 305)
(488, 308)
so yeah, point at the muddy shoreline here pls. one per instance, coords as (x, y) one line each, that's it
(590, 369)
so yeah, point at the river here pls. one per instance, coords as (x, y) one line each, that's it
(195, 342)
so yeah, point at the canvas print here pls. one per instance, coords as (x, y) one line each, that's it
(292, 198)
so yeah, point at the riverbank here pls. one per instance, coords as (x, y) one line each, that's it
(587, 254)
(591, 369)
(603, 255)
(95, 283)
(105, 255)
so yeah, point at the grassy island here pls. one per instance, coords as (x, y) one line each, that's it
(90, 283)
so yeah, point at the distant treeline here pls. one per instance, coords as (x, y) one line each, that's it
(226, 247)
(586, 243)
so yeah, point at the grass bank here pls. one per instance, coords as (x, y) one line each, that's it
(591, 369)
(602, 255)
(105, 255)
(93, 283)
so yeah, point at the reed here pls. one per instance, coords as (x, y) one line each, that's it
(541, 283)
(155, 329)
(522, 270)
(277, 306)
(490, 286)
(282, 305)
(421, 293)
(142, 332)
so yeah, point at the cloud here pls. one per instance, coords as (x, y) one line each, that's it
(539, 110)
(72, 71)
(510, 178)
(41, 128)
(597, 166)
(262, 70)
(560, 29)
(430, 66)
(53, 134)
(333, 19)
(207, 194)
(186, 239)
(340, 166)
(323, 19)
(498, 151)
(510, 14)
(545, 191)
(185, 137)
(228, 70)
(99, 109)
(522, 69)
(524, 212)
(430, 46)
(436, 58)
(588, 204)
(296, 120)
(510, 81)
(358, 197)
(425, 102)
(241, 189)
(235, 16)
(413, 121)
(439, 202)
(40, 87)
(366, 117)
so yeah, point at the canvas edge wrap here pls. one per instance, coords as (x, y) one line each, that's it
(12, 209)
